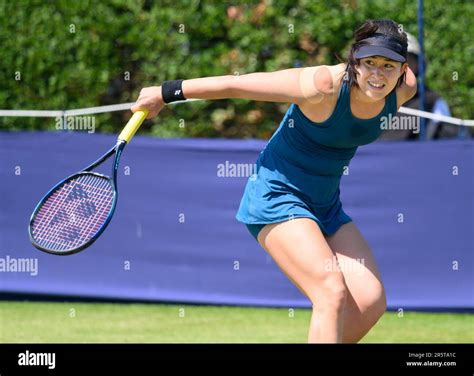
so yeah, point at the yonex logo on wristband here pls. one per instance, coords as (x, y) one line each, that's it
(172, 91)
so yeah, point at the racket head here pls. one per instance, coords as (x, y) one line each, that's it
(73, 214)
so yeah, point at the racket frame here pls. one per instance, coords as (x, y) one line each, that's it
(117, 149)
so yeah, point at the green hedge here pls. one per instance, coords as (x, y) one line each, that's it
(89, 53)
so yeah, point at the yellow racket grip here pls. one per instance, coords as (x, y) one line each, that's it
(132, 126)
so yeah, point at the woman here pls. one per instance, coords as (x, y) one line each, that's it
(291, 205)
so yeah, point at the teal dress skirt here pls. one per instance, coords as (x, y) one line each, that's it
(299, 171)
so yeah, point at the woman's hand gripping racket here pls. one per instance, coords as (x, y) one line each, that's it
(73, 214)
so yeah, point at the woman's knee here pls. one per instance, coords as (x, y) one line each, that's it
(374, 304)
(330, 293)
(379, 302)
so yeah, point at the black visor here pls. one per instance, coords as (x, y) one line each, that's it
(382, 45)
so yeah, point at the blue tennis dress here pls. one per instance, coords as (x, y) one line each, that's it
(300, 168)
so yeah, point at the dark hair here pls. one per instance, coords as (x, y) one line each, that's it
(369, 28)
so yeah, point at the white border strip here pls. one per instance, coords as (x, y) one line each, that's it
(429, 115)
(127, 106)
(31, 113)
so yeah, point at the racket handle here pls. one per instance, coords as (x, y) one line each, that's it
(132, 126)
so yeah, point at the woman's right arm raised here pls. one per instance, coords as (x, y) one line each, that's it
(290, 85)
(294, 85)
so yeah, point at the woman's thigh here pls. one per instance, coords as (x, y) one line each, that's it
(301, 251)
(357, 263)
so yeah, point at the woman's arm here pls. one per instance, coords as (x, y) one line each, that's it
(291, 86)
(407, 89)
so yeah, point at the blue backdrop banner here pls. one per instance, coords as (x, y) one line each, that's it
(174, 236)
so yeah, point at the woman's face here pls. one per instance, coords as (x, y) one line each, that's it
(377, 76)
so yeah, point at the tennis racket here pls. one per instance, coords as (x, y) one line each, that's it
(75, 212)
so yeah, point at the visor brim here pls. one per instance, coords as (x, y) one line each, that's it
(367, 51)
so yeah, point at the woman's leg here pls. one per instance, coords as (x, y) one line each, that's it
(299, 248)
(366, 301)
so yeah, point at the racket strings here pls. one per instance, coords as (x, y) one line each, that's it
(73, 214)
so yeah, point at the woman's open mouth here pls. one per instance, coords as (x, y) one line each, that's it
(375, 85)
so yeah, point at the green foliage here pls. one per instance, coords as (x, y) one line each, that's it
(66, 54)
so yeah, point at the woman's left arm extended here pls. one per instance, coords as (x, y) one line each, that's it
(408, 88)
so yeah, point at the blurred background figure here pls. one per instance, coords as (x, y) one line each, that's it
(434, 103)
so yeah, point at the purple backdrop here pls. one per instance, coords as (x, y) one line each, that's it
(174, 236)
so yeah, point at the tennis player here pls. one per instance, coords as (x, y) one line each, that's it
(292, 204)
